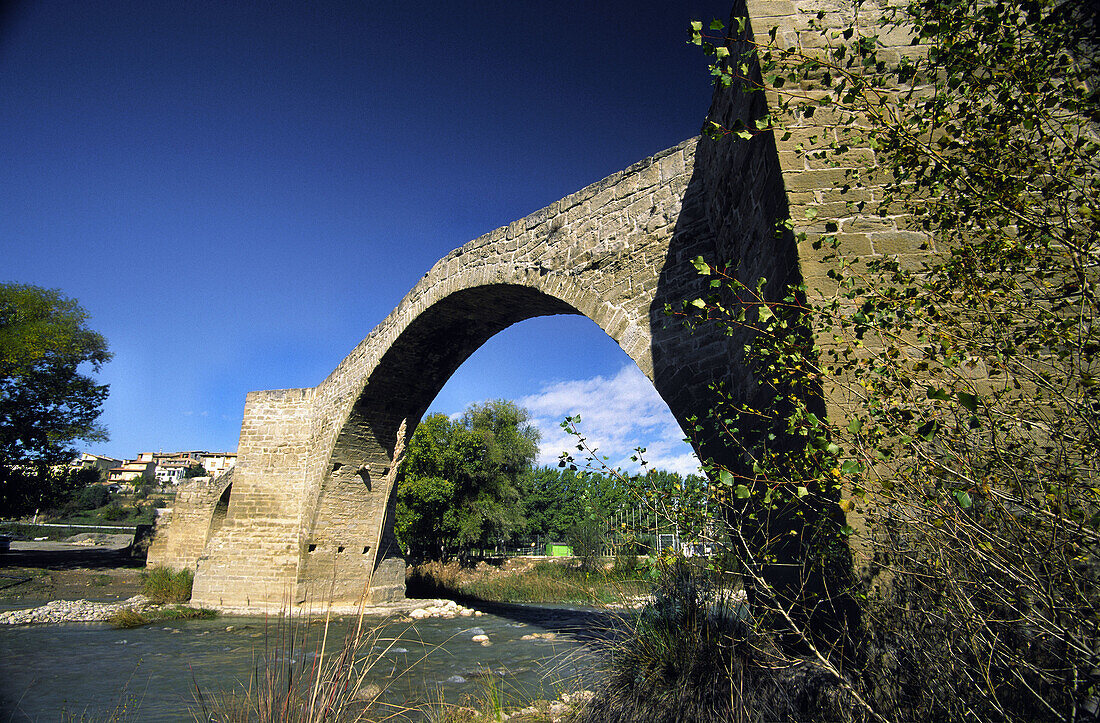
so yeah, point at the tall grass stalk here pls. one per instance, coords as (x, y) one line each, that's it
(294, 679)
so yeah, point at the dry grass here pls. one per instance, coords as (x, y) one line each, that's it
(525, 582)
(296, 678)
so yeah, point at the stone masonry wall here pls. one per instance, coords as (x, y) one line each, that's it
(191, 522)
(248, 563)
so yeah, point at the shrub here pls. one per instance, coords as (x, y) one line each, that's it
(129, 618)
(163, 585)
(626, 565)
(113, 512)
(695, 655)
(92, 497)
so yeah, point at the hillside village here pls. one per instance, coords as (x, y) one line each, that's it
(162, 468)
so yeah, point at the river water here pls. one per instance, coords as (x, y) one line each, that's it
(52, 671)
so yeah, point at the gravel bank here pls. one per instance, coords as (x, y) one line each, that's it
(74, 611)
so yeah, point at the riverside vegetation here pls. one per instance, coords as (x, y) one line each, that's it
(967, 453)
(625, 581)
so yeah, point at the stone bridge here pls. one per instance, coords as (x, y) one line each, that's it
(307, 513)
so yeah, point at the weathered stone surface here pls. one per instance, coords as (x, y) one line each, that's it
(309, 517)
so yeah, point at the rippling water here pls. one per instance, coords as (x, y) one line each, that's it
(47, 671)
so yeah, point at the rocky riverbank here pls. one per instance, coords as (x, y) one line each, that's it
(76, 611)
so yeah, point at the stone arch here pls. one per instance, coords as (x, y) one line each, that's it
(314, 473)
(220, 511)
(199, 511)
(349, 541)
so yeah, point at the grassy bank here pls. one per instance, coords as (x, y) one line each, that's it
(524, 580)
(136, 619)
(170, 589)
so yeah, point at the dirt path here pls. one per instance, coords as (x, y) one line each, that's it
(34, 573)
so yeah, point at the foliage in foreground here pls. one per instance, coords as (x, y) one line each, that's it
(970, 449)
(695, 654)
(304, 677)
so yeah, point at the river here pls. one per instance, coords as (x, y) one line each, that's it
(53, 671)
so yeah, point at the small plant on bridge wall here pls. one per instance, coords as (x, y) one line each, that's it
(968, 377)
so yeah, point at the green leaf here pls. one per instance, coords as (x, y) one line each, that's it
(716, 24)
(699, 304)
(928, 430)
(963, 499)
(726, 478)
(742, 492)
(721, 52)
(941, 394)
(701, 266)
(855, 426)
(802, 491)
(969, 401)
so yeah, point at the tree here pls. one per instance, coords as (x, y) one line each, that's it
(195, 470)
(970, 446)
(426, 518)
(475, 464)
(551, 501)
(588, 538)
(47, 401)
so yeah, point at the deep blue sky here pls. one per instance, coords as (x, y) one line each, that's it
(238, 192)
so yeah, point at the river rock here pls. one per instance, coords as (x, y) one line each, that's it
(579, 698)
(450, 609)
(368, 692)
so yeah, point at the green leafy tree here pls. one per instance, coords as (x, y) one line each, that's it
(91, 497)
(551, 502)
(588, 539)
(476, 462)
(47, 400)
(195, 470)
(426, 519)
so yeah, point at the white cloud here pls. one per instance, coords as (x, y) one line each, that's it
(617, 414)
